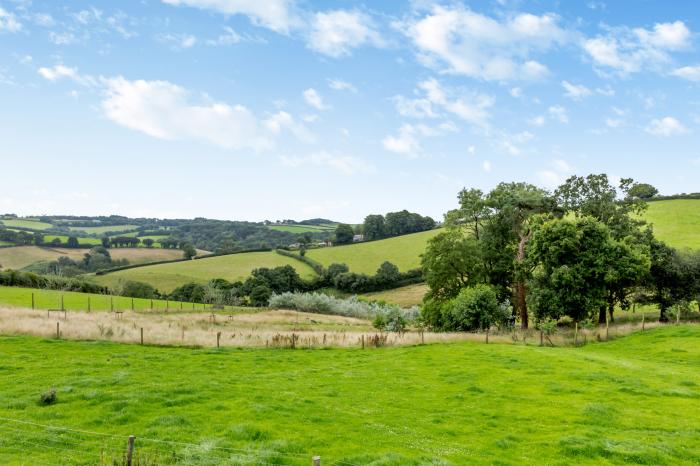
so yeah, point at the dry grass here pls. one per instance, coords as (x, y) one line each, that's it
(278, 328)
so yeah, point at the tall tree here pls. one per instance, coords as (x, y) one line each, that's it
(344, 233)
(374, 227)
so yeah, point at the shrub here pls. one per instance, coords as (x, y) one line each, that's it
(475, 308)
(135, 289)
(260, 295)
(49, 397)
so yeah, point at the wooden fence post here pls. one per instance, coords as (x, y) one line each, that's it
(363, 341)
(218, 336)
(167, 304)
(132, 304)
(130, 450)
(58, 330)
(32, 300)
(642, 321)
(89, 304)
(62, 308)
(111, 303)
(151, 305)
(607, 327)
(541, 338)
(487, 336)
(142, 335)
(316, 461)
(576, 335)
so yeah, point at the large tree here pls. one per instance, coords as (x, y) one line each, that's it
(344, 233)
(374, 227)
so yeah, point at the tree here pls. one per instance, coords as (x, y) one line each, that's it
(471, 212)
(475, 308)
(344, 233)
(38, 238)
(105, 241)
(188, 251)
(260, 296)
(642, 191)
(387, 273)
(374, 227)
(673, 277)
(148, 242)
(72, 242)
(138, 290)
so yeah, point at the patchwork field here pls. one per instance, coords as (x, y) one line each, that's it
(104, 229)
(303, 228)
(405, 296)
(64, 239)
(403, 251)
(632, 400)
(677, 222)
(167, 277)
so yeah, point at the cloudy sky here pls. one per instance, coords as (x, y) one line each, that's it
(250, 109)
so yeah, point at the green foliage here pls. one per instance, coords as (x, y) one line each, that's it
(642, 191)
(260, 295)
(344, 233)
(188, 251)
(475, 308)
(139, 290)
(48, 397)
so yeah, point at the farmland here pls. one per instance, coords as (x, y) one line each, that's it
(403, 251)
(22, 256)
(405, 296)
(300, 228)
(232, 267)
(26, 223)
(104, 229)
(630, 400)
(677, 222)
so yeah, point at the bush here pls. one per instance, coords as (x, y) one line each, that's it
(475, 308)
(135, 289)
(260, 295)
(393, 317)
(49, 397)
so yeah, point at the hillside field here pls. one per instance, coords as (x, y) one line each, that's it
(403, 251)
(632, 400)
(232, 267)
(26, 223)
(677, 222)
(19, 257)
(405, 296)
(104, 229)
(299, 228)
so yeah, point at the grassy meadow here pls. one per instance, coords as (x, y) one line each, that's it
(405, 296)
(631, 400)
(104, 229)
(300, 228)
(167, 277)
(403, 251)
(677, 222)
(26, 223)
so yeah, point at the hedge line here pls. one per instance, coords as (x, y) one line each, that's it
(317, 266)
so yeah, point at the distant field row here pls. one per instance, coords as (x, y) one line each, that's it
(303, 228)
(33, 224)
(19, 257)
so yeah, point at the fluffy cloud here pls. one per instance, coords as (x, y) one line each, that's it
(473, 108)
(346, 164)
(340, 85)
(407, 141)
(283, 120)
(691, 73)
(464, 42)
(575, 91)
(556, 175)
(314, 99)
(163, 110)
(8, 22)
(336, 33)
(486, 166)
(58, 72)
(559, 113)
(278, 15)
(665, 127)
(626, 50)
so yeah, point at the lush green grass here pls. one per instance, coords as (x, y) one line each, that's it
(167, 277)
(104, 229)
(302, 228)
(677, 222)
(24, 223)
(403, 251)
(634, 400)
(73, 301)
(64, 240)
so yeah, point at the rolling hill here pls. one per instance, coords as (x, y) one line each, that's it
(676, 222)
(232, 267)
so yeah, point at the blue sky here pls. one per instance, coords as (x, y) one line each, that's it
(249, 109)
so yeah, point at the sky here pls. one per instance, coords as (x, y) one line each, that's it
(277, 109)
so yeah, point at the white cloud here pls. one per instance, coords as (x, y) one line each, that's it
(346, 164)
(62, 38)
(314, 99)
(665, 127)
(486, 166)
(614, 122)
(559, 113)
(278, 15)
(282, 120)
(516, 92)
(556, 175)
(460, 41)
(691, 73)
(340, 85)
(44, 19)
(163, 110)
(336, 33)
(407, 141)
(414, 108)
(58, 72)
(472, 108)
(537, 121)
(8, 22)
(178, 41)
(575, 91)
(228, 37)
(626, 50)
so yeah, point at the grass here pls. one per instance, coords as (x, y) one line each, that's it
(633, 400)
(23, 256)
(167, 277)
(405, 296)
(104, 229)
(64, 240)
(403, 251)
(677, 222)
(23, 223)
(74, 301)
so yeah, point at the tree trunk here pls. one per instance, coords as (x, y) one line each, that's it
(611, 310)
(520, 290)
(663, 317)
(601, 315)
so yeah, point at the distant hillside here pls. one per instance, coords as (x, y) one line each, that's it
(676, 222)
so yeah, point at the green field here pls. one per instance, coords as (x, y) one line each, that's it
(167, 277)
(676, 222)
(403, 251)
(303, 228)
(64, 240)
(104, 229)
(73, 301)
(405, 296)
(33, 224)
(633, 400)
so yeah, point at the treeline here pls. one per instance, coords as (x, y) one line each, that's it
(95, 260)
(395, 224)
(580, 252)
(27, 238)
(49, 282)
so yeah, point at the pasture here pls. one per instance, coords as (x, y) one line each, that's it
(26, 223)
(299, 228)
(104, 229)
(20, 257)
(403, 251)
(633, 399)
(405, 296)
(232, 267)
(677, 222)
(64, 239)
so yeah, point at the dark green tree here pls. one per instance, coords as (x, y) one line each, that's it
(374, 227)
(344, 233)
